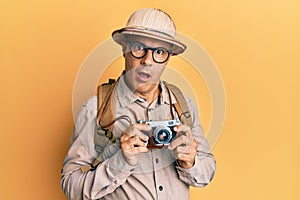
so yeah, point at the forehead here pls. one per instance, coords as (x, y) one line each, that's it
(148, 41)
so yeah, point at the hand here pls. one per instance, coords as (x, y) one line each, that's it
(184, 146)
(133, 142)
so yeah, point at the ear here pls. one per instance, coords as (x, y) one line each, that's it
(123, 44)
(124, 47)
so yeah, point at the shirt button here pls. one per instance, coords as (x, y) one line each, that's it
(156, 160)
(161, 188)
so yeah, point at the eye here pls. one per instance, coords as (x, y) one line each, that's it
(160, 51)
(138, 46)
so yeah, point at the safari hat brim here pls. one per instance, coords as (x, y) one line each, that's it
(151, 23)
(120, 35)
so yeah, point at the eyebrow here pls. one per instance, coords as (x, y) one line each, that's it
(133, 41)
(136, 38)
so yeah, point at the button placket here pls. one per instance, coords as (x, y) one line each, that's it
(149, 116)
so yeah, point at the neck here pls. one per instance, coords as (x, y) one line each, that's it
(150, 94)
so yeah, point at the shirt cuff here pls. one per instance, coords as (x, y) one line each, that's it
(188, 175)
(118, 164)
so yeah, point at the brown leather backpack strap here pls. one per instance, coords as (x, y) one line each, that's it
(106, 104)
(103, 135)
(181, 105)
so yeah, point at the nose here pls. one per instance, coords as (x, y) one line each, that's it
(147, 59)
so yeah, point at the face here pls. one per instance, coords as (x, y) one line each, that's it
(143, 74)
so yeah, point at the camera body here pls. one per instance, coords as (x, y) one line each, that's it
(162, 132)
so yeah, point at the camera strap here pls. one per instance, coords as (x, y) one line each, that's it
(180, 105)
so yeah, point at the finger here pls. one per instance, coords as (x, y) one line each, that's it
(185, 157)
(137, 142)
(185, 129)
(133, 142)
(137, 150)
(134, 150)
(142, 127)
(135, 130)
(179, 141)
(124, 137)
(185, 150)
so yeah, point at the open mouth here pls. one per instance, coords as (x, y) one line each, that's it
(143, 76)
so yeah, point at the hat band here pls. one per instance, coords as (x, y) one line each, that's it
(136, 28)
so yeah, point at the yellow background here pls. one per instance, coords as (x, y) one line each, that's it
(255, 45)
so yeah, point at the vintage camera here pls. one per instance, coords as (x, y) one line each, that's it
(162, 132)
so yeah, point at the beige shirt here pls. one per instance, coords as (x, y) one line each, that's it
(157, 174)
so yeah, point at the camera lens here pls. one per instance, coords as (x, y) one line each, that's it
(163, 135)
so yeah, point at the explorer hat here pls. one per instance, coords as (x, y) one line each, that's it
(151, 23)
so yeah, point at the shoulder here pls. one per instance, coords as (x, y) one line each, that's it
(90, 104)
(190, 102)
(87, 110)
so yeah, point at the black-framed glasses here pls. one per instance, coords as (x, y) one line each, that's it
(159, 54)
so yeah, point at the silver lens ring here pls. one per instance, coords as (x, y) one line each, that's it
(162, 134)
